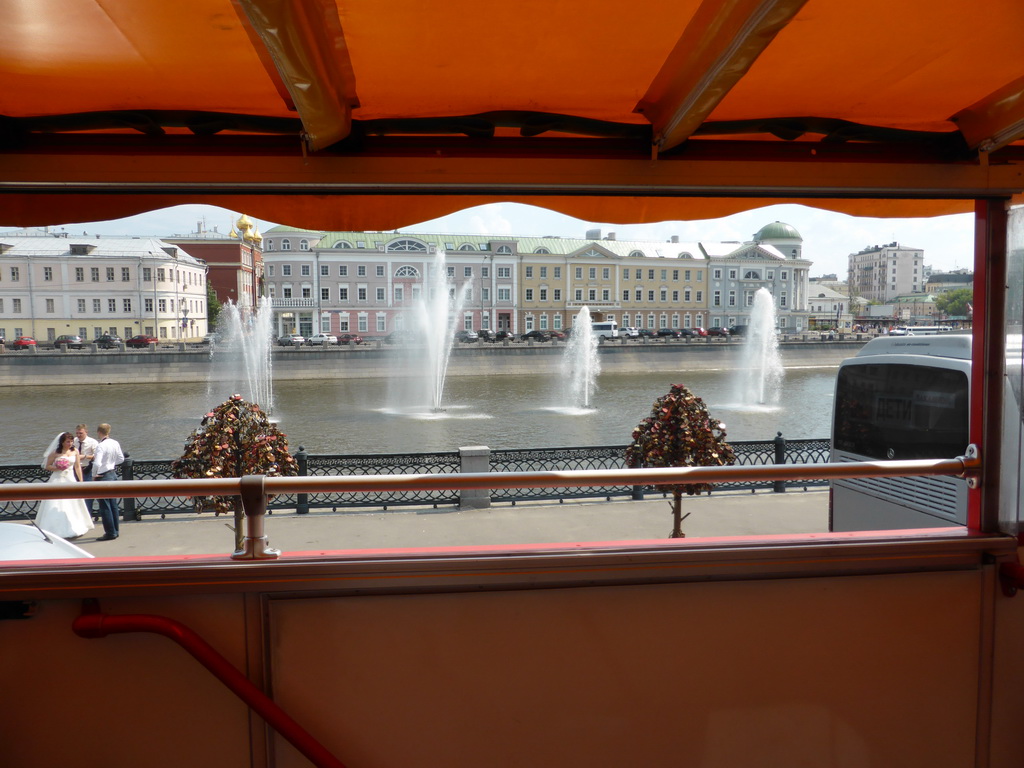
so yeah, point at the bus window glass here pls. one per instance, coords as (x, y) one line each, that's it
(901, 412)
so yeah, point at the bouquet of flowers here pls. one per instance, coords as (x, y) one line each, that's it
(62, 462)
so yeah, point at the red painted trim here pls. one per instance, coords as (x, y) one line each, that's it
(95, 625)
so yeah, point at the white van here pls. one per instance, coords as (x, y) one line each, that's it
(901, 398)
(605, 330)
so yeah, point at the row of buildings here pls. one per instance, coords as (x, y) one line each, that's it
(54, 283)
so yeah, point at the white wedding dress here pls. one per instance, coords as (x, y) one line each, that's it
(67, 518)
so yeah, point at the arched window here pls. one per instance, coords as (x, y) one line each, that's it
(406, 245)
(591, 254)
(303, 245)
(685, 255)
(542, 250)
(286, 245)
(343, 244)
(504, 250)
(636, 254)
(752, 274)
(407, 271)
(269, 245)
(466, 247)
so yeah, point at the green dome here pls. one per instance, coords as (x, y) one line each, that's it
(777, 230)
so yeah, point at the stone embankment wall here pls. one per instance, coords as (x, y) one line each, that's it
(168, 365)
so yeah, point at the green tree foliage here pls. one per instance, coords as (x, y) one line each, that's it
(954, 302)
(213, 306)
(680, 433)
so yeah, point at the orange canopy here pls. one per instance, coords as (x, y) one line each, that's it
(373, 115)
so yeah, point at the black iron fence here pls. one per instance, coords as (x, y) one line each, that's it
(763, 452)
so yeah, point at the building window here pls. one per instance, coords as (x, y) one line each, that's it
(700, 296)
(380, 294)
(407, 245)
(591, 295)
(96, 305)
(717, 274)
(126, 305)
(380, 270)
(782, 299)
(579, 294)
(625, 294)
(543, 273)
(81, 306)
(342, 294)
(286, 270)
(110, 274)
(303, 245)
(362, 323)
(785, 275)
(126, 275)
(556, 295)
(485, 272)
(16, 274)
(48, 273)
(343, 270)
(529, 272)
(716, 299)
(325, 294)
(49, 306)
(304, 270)
(16, 307)
(79, 274)
(639, 296)
(325, 270)
(625, 273)
(732, 298)
(529, 294)
(664, 294)
(579, 273)
(606, 273)
(381, 323)
(361, 270)
(504, 272)
(543, 294)
(675, 274)
(650, 296)
(593, 273)
(286, 292)
(504, 294)
(286, 245)
(399, 294)
(675, 296)
(558, 273)
(361, 294)
(485, 294)
(467, 272)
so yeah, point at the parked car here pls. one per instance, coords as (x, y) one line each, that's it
(23, 342)
(211, 338)
(700, 331)
(107, 341)
(467, 337)
(558, 335)
(71, 342)
(688, 332)
(141, 342)
(350, 338)
(718, 332)
(291, 340)
(485, 334)
(641, 332)
(669, 333)
(536, 336)
(739, 330)
(502, 335)
(401, 337)
(322, 340)
(629, 332)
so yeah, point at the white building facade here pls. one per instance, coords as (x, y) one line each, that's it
(881, 273)
(90, 286)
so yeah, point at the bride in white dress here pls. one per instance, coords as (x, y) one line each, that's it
(67, 518)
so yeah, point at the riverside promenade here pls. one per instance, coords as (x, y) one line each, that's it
(722, 514)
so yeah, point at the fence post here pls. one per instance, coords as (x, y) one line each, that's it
(302, 499)
(474, 459)
(129, 510)
(780, 458)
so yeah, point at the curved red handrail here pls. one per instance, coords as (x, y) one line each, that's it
(94, 625)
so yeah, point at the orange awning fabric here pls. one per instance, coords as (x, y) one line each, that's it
(303, 111)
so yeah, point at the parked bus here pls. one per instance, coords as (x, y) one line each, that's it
(903, 397)
(605, 330)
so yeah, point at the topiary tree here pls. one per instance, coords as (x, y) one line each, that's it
(236, 438)
(680, 433)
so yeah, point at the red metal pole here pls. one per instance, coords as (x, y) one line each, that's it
(94, 625)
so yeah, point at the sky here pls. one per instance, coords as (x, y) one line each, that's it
(828, 238)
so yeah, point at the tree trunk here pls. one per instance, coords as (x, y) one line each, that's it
(677, 516)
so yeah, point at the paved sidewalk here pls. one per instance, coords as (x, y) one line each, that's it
(723, 514)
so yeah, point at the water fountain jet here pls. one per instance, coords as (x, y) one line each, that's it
(580, 363)
(760, 374)
(241, 356)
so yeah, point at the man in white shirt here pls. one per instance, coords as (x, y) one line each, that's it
(86, 447)
(105, 459)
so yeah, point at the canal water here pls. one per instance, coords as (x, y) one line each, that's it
(360, 416)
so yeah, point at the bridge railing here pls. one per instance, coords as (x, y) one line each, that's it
(474, 459)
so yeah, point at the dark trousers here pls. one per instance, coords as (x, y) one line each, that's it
(86, 477)
(108, 508)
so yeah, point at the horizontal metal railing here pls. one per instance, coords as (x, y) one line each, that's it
(962, 466)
